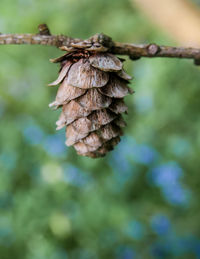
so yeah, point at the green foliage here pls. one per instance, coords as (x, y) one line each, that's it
(141, 201)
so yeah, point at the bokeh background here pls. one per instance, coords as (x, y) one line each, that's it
(140, 201)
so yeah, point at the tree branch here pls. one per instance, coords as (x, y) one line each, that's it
(100, 42)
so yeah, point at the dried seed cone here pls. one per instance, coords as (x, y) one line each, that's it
(91, 92)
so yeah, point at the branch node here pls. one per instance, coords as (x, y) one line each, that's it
(102, 39)
(43, 29)
(153, 49)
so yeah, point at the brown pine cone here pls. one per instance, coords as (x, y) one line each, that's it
(93, 85)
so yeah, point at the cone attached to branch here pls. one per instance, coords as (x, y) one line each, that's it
(92, 88)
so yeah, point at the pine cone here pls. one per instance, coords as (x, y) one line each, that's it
(91, 93)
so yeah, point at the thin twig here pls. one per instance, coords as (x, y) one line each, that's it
(134, 51)
(36, 39)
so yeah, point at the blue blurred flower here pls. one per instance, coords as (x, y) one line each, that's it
(166, 174)
(8, 159)
(160, 251)
(135, 230)
(120, 161)
(75, 176)
(144, 154)
(167, 177)
(33, 134)
(180, 147)
(125, 252)
(140, 153)
(160, 224)
(125, 157)
(175, 246)
(185, 244)
(122, 168)
(197, 249)
(176, 195)
(54, 145)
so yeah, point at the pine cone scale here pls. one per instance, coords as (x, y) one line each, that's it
(66, 93)
(84, 76)
(106, 62)
(93, 100)
(62, 74)
(122, 74)
(118, 106)
(73, 111)
(116, 88)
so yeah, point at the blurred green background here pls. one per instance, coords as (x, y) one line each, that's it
(141, 200)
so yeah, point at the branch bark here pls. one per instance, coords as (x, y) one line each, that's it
(102, 43)
(36, 39)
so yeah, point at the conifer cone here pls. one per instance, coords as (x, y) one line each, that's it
(92, 88)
